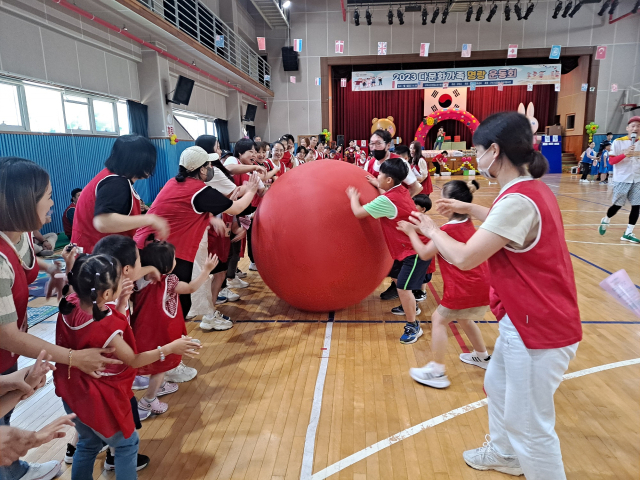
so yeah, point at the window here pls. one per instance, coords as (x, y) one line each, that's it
(10, 115)
(76, 113)
(103, 112)
(123, 118)
(193, 125)
(45, 109)
(571, 121)
(211, 128)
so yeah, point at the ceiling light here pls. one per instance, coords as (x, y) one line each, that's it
(436, 12)
(557, 9)
(636, 7)
(518, 10)
(425, 14)
(286, 4)
(492, 12)
(605, 7)
(469, 13)
(445, 14)
(356, 17)
(390, 16)
(368, 16)
(507, 11)
(575, 9)
(614, 5)
(400, 16)
(529, 11)
(479, 13)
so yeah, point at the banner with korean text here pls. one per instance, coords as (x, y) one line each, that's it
(456, 77)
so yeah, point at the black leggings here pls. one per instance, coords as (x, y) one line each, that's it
(249, 246)
(586, 170)
(183, 271)
(633, 215)
(437, 165)
(234, 258)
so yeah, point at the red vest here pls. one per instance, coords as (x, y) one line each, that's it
(427, 186)
(463, 289)
(101, 403)
(23, 275)
(286, 160)
(84, 234)
(220, 245)
(158, 320)
(398, 243)
(174, 203)
(536, 287)
(370, 168)
(67, 226)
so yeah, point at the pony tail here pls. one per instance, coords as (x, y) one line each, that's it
(99, 314)
(65, 306)
(537, 164)
(473, 186)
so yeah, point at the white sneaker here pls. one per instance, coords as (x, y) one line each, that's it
(486, 458)
(253, 267)
(42, 471)
(473, 359)
(237, 283)
(428, 376)
(231, 295)
(436, 174)
(180, 374)
(216, 321)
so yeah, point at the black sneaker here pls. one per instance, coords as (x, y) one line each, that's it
(390, 293)
(420, 295)
(109, 463)
(400, 311)
(68, 457)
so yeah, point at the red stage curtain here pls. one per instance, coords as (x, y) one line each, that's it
(353, 111)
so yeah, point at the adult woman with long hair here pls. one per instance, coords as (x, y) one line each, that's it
(25, 199)
(533, 295)
(277, 150)
(187, 204)
(110, 204)
(420, 168)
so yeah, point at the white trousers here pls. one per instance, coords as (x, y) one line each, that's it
(520, 384)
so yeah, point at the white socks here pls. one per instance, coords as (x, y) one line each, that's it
(629, 230)
(482, 355)
(438, 368)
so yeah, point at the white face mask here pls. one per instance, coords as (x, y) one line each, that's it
(485, 171)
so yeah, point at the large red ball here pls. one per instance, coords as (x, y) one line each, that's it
(309, 247)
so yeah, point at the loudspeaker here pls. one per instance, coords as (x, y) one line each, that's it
(340, 140)
(250, 114)
(289, 59)
(182, 93)
(321, 138)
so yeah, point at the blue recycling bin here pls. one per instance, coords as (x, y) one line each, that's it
(551, 148)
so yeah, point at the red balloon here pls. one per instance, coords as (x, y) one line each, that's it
(309, 247)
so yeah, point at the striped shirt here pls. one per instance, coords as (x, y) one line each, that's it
(7, 308)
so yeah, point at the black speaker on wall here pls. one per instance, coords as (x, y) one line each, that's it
(340, 140)
(182, 93)
(289, 59)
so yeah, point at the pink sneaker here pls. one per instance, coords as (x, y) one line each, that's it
(155, 406)
(167, 388)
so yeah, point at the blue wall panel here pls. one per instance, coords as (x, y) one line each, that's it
(73, 160)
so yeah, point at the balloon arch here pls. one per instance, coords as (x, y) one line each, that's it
(446, 114)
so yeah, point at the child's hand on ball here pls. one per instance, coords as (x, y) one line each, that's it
(352, 192)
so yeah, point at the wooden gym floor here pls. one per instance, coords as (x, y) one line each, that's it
(260, 386)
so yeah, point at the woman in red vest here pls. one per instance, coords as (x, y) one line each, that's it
(25, 199)
(187, 205)
(109, 204)
(419, 167)
(533, 296)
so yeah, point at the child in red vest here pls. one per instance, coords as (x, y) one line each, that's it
(157, 318)
(423, 205)
(408, 269)
(94, 316)
(466, 293)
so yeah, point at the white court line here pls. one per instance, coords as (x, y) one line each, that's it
(594, 224)
(310, 439)
(398, 437)
(600, 243)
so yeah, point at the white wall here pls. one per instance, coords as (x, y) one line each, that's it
(296, 108)
(39, 40)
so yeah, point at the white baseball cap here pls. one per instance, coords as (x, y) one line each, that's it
(195, 157)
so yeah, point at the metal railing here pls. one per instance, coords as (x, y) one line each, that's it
(200, 23)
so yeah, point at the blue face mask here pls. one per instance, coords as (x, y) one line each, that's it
(485, 171)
